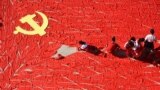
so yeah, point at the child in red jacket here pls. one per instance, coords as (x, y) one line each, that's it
(114, 46)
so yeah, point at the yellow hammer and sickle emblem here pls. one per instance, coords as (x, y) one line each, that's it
(37, 29)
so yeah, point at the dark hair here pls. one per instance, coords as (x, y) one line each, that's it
(113, 38)
(152, 31)
(82, 42)
(141, 40)
(133, 38)
(130, 44)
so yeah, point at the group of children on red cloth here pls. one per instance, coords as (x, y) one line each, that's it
(142, 47)
(138, 49)
(133, 48)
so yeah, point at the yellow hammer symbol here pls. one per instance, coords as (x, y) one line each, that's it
(36, 28)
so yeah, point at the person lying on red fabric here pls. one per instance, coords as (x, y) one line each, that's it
(90, 48)
(115, 49)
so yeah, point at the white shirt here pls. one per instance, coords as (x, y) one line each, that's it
(136, 45)
(150, 38)
(83, 46)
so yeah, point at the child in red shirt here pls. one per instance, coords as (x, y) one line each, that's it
(114, 46)
(115, 49)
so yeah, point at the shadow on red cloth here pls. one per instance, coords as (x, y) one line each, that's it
(157, 55)
(150, 56)
(1, 24)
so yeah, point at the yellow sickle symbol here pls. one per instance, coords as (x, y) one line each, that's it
(37, 29)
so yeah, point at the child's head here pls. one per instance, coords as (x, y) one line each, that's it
(141, 40)
(82, 42)
(133, 38)
(131, 44)
(152, 31)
